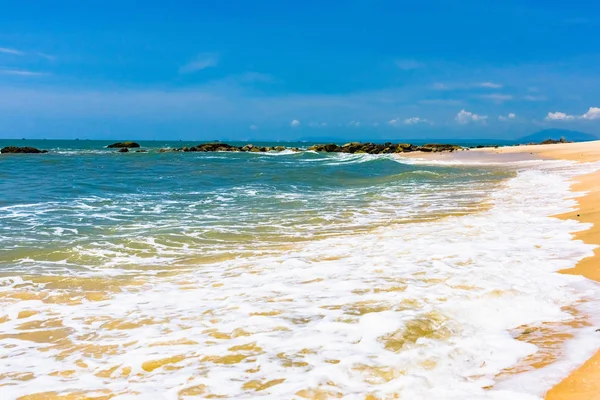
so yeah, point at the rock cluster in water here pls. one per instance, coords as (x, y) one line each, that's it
(353, 147)
(386, 148)
(123, 145)
(207, 147)
(21, 150)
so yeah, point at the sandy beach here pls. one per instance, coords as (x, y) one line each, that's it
(583, 383)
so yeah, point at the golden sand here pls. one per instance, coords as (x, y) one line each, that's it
(583, 383)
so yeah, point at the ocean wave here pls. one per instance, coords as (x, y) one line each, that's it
(420, 310)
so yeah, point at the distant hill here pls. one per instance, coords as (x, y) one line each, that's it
(573, 136)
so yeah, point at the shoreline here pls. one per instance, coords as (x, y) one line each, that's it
(477, 294)
(584, 382)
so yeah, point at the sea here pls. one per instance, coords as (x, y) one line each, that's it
(287, 275)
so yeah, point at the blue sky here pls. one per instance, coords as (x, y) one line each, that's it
(289, 69)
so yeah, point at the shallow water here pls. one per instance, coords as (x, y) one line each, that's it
(168, 275)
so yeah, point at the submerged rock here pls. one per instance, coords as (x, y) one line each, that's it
(124, 150)
(21, 150)
(123, 145)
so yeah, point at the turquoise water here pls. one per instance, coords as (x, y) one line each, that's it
(89, 207)
(283, 275)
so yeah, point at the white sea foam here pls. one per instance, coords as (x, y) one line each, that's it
(480, 162)
(319, 317)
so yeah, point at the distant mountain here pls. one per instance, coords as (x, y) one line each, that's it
(556, 134)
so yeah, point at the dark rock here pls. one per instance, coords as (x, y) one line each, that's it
(124, 150)
(552, 141)
(351, 147)
(21, 150)
(404, 147)
(442, 147)
(327, 148)
(123, 145)
(377, 148)
(141, 151)
(206, 147)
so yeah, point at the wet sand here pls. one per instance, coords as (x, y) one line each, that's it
(583, 383)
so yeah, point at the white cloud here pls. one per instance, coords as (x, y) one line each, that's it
(20, 72)
(508, 117)
(6, 50)
(466, 85)
(407, 121)
(559, 116)
(295, 123)
(253, 127)
(408, 64)
(496, 97)
(490, 85)
(355, 124)
(202, 61)
(317, 124)
(416, 120)
(464, 117)
(592, 114)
